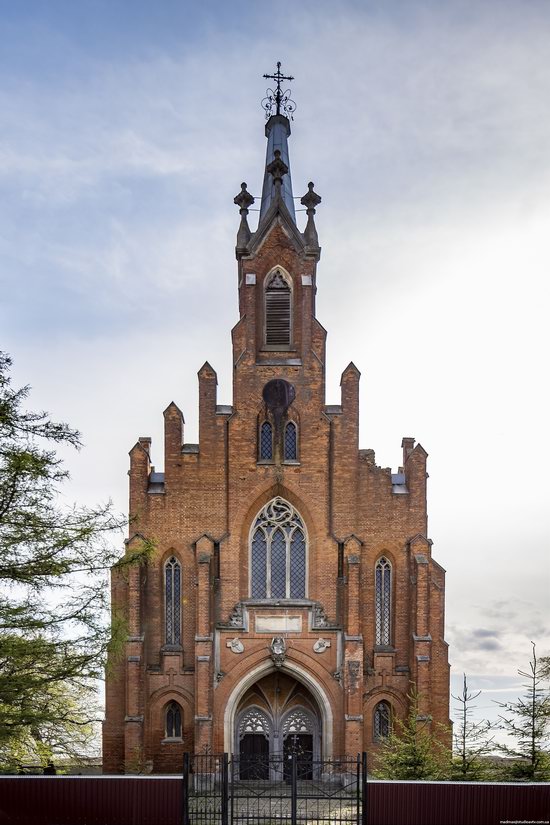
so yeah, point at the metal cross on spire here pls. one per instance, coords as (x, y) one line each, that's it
(278, 102)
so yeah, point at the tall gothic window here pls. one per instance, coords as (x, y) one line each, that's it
(383, 601)
(172, 601)
(291, 441)
(277, 311)
(278, 553)
(173, 721)
(266, 441)
(381, 728)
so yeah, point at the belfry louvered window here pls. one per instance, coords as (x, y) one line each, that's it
(172, 601)
(383, 601)
(381, 727)
(277, 311)
(278, 553)
(266, 441)
(291, 441)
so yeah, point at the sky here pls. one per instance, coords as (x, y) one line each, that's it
(127, 128)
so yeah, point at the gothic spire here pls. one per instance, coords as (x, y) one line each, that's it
(279, 108)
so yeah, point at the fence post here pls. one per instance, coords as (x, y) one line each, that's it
(185, 790)
(364, 789)
(293, 790)
(358, 788)
(225, 789)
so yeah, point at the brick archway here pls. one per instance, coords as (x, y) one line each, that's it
(290, 669)
(276, 708)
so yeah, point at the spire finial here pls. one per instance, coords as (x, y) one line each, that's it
(310, 200)
(243, 200)
(278, 102)
(277, 169)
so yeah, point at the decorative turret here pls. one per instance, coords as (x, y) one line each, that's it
(243, 200)
(310, 200)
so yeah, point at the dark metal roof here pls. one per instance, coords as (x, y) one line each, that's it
(399, 484)
(277, 130)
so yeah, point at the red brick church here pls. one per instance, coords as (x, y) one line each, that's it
(292, 592)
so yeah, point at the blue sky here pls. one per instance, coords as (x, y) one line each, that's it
(127, 128)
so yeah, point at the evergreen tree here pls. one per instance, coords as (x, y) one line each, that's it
(527, 721)
(413, 750)
(53, 586)
(471, 740)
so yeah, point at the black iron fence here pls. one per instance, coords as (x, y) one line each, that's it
(267, 790)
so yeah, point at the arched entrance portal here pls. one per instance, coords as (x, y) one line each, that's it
(277, 717)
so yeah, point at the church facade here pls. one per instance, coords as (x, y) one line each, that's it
(292, 594)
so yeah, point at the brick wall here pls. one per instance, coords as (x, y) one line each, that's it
(202, 512)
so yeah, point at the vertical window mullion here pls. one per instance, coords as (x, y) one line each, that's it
(268, 564)
(288, 549)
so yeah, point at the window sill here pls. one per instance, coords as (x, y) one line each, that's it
(288, 462)
(171, 740)
(171, 649)
(278, 348)
(281, 602)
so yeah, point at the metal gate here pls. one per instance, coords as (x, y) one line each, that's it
(232, 790)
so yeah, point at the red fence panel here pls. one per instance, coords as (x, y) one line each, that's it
(157, 800)
(456, 803)
(90, 800)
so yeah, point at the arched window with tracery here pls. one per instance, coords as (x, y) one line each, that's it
(172, 601)
(278, 558)
(381, 727)
(172, 719)
(266, 441)
(291, 441)
(278, 316)
(383, 601)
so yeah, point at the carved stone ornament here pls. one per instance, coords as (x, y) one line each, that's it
(321, 645)
(278, 650)
(277, 168)
(237, 618)
(235, 645)
(244, 199)
(319, 616)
